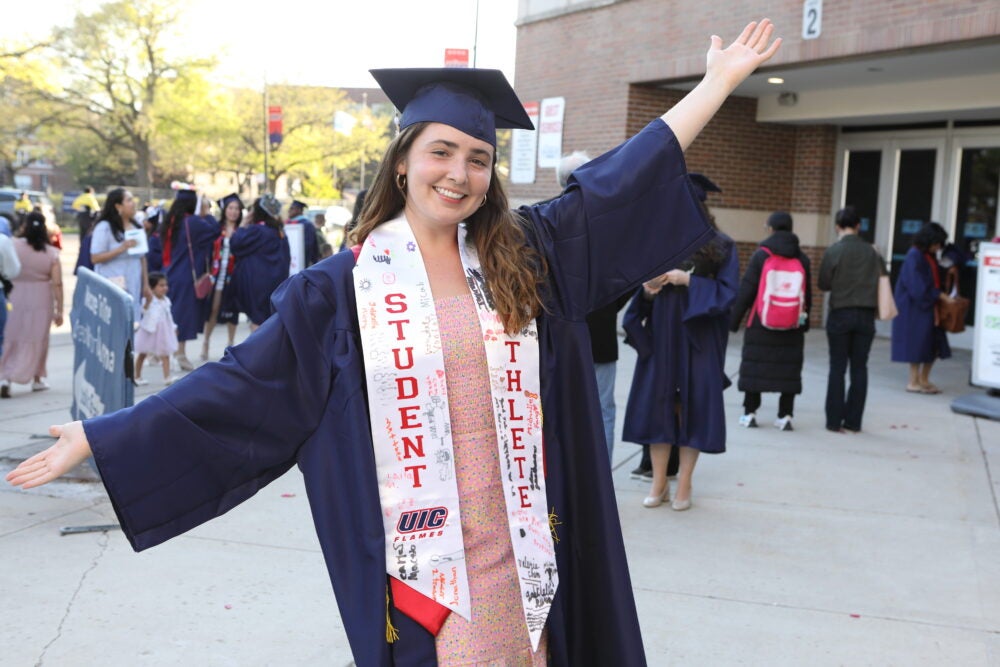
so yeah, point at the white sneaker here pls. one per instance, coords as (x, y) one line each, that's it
(139, 382)
(749, 421)
(783, 424)
(169, 380)
(41, 385)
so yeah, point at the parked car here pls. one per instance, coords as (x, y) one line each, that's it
(8, 196)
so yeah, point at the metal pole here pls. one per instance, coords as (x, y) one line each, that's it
(267, 143)
(364, 116)
(475, 37)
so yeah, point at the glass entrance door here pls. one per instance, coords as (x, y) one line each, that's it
(976, 212)
(916, 169)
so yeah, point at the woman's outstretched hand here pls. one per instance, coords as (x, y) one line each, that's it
(737, 61)
(70, 450)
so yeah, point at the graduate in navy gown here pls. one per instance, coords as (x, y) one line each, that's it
(151, 223)
(917, 338)
(678, 323)
(296, 391)
(186, 257)
(262, 259)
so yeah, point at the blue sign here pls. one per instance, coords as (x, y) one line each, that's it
(912, 226)
(975, 230)
(101, 320)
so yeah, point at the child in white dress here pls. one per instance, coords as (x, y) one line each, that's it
(157, 333)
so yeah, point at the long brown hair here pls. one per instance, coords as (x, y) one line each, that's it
(514, 272)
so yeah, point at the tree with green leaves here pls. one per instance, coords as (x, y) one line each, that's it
(118, 77)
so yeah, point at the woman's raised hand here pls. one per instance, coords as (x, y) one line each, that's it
(70, 450)
(737, 61)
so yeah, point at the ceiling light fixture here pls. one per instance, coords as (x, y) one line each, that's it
(775, 80)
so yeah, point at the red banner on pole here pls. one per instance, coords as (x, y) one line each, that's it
(456, 57)
(274, 125)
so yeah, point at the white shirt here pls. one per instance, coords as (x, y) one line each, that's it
(10, 265)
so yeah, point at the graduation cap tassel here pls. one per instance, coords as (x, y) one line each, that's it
(553, 522)
(391, 633)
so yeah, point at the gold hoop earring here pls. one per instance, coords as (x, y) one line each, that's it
(401, 182)
(484, 202)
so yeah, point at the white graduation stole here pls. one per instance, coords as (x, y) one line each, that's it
(411, 427)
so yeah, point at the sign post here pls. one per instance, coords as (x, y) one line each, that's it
(102, 323)
(986, 339)
(456, 57)
(523, 148)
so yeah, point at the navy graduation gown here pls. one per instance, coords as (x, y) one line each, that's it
(154, 258)
(294, 393)
(262, 261)
(681, 338)
(915, 337)
(189, 311)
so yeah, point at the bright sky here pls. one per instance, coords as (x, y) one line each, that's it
(312, 42)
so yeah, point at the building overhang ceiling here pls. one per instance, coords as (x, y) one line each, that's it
(919, 86)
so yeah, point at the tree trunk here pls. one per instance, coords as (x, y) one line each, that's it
(143, 165)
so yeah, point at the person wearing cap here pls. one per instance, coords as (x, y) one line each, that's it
(644, 471)
(225, 308)
(407, 379)
(771, 360)
(262, 256)
(678, 323)
(188, 234)
(296, 216)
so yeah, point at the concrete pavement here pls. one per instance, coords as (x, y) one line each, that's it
(802, 548)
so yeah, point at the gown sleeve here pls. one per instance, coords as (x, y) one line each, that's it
(915, 280)
(637, 326)
(626, 216)
(711, 297)
(211, 440)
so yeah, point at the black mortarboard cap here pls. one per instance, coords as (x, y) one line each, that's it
(703, 185)
(296, 202)
(224, 202)
(475, 101)
(186, 195)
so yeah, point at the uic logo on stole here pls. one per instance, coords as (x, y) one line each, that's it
(408, 408)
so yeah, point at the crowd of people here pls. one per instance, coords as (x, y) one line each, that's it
(678, 325)
(148, 251)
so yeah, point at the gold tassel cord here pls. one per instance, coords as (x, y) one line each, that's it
(553, 522)
(391, 633)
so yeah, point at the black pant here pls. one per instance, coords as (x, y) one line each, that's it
(850, 332)
(673, 464)
(751, 402)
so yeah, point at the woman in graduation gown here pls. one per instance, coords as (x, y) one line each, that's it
(262, 259)
(187, 245)
(305, 388)
(917, 337)
(225, 308)
(678, 323)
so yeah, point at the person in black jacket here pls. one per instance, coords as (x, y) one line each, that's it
(772, 359)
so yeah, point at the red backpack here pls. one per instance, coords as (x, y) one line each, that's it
(781, 293)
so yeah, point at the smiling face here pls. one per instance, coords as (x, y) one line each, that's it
(447, 176)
